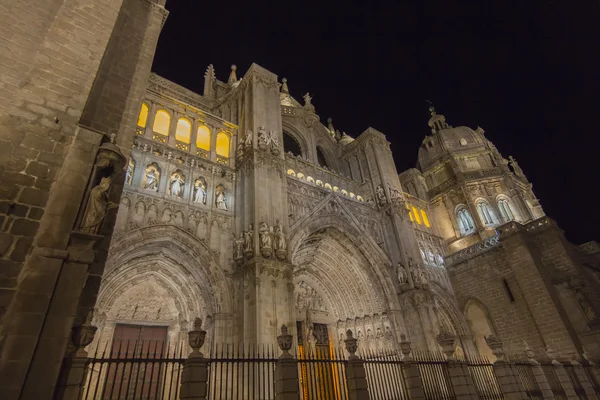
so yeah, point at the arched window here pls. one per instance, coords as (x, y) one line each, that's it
(290, 144)
(485, 214)
(143, 118)
(203, 138)
(425, 218)
(477, 318)
(464, 220)
(505, 210)
(321, 158)
(222, 144)
(416, 215)
(184, 130)
(162, 122)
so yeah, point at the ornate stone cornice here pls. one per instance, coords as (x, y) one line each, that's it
(473, 251)
(166, 88)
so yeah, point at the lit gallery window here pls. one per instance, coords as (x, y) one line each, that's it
(222, 144)
(162, 122)
(465, 222)
(484, 213)
(143, 118)
(203, 138)
(184, 130)
(505, 210)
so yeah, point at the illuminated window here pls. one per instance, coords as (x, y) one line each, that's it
(222, 144)
(143, 118)
(485, 213)
(300, 175)
(328, 186)
(416, 215)
(425, 219)
(344, 192)
(410, 214)
(505, 210)
(352, 195)
(203, 138)
(464, 220)
(310, 179)
(359, 198)
(336, 189)
(162, 122)
(184, 130)
(291, 172)
(319, 182)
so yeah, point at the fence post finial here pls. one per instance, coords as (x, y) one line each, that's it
(496, 345)
(446, 339)
(405, 347)
(530, 354)
(351, 345)
(285, 342)
(196, 339)
(552, 356)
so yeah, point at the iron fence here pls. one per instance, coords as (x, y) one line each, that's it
(322, 373)
(133, 369)
(523, 370)
(385, 375)
(553, 381)
(484, 378)
(593, 373)
(435, 377)
(577, 386)
(245, 372)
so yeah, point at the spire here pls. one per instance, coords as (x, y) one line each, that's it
(232, 76)
(209, 79)
(284, 86)
(330, 126)
(437, 122)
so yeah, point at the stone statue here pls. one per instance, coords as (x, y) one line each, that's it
(263, 137)
(402, 276)
(307, 99)
(129, 173)
(220, 199)
(249, 138)
(176, 185)
(151, 180)
(380, 193)
(200, 191)
(249, 240)
(516, 167)
(266, 239)
(238, 246)
(97, 207)
(280, 241)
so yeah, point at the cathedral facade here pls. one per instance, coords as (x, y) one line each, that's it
(241, 207)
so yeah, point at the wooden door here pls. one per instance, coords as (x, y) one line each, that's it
(133, 371)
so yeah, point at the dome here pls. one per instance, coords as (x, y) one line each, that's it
(346, 139)
(448, 140)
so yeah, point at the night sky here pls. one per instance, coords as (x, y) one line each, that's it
(527, 72)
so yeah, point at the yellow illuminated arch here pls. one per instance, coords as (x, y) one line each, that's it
(162, 122)
(328, 186)
(425, 219)
(310, 179)
(410, 214)
(300, 175)
(184, 130)
(291, 172)
(416, 215)
(222, 144)
(143, 118)
(203, 138)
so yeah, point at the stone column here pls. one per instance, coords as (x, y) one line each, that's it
(538, 374)
(509, 382)
(412, 375)
(460, 378)
(355, 371)
(74, 369)
(286, 372)
(194, 379)
(563, 377)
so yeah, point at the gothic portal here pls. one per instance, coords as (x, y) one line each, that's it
(242, 208)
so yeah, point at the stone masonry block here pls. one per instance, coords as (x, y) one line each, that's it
(25, 227)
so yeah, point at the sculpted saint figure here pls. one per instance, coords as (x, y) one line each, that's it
(265, 236)
(249, 240)
(151, 180)
(220, 198)
(129, 173)
(239, 246)
(280, 241)
(97, 207)
(402, 277)
(380, 195)
(200, 194)
(248, 140)
(177, 183)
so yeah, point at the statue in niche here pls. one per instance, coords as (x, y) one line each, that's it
(379, 334)
(238, 246)
(129, 172)
(585, 305)
(152, 176)
(249, 240)
(402, 275)
(220, 199)
(280, 241)
(97, 207)
(249, 138)
(200, 190)
(266, 239)
(166, 217)
(176, 184)
(263, 137)
(388, 333)
(439, 260)
(380, 193)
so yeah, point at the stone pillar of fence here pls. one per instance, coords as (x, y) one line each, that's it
(583, 377)
(286, 371)
(194, 379)
(412, 375)
(460, 378)
(355, 371)
(538, 374)
(563, 377)
(74, 369)
(509, 382)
